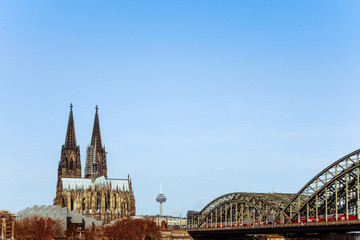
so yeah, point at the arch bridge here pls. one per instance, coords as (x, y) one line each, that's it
(331, 195)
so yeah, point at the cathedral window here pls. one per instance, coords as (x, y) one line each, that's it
(98, 202)
(71, 165)
(83, 204)
(72, 203)
(106, 203)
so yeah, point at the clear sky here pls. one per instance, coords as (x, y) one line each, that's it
(213, 96)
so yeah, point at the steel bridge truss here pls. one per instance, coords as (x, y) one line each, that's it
(332, 193)
(244, 207)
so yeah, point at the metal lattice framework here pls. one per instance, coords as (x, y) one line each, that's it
(331, 193)
(245, 207)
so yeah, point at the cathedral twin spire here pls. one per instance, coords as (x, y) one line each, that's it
(70, 165)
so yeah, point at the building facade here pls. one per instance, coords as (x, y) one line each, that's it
(7, 224)
(171, 222)
(94, 195)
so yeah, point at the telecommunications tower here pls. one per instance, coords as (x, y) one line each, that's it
(161, 198)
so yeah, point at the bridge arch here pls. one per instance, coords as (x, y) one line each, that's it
(332, 192)
(245, 207)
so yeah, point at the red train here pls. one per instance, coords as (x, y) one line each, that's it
(321, 218)
(330, 218)
(235, 224)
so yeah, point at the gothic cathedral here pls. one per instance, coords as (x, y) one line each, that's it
(95, 195)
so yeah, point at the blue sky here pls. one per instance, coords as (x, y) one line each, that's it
(213, 96)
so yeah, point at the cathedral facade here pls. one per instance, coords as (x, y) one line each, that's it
(94, 195)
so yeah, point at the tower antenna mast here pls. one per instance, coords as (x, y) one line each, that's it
(161, 198)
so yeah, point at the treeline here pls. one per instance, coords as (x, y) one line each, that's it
(37, 228)
(129, 229)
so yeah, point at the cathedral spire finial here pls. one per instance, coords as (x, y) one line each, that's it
(96, 136)
(70, 141)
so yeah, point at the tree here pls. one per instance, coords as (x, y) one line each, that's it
(49, 229)
(58, 229)
(38, 229)
(93, 233)
(132, 229)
